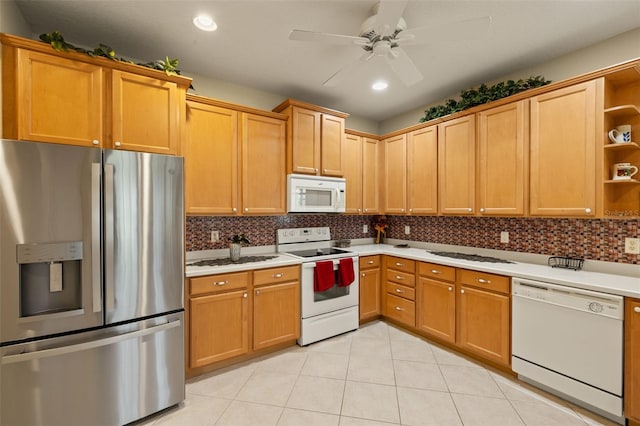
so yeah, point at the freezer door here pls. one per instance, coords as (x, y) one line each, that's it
(143, 234)
(108, 377)
(50, 260)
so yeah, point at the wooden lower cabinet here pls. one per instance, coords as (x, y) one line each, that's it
(436, 309)
(219, 327)
(399, 290)
(369, 287)
(632, 359)
(276, 314)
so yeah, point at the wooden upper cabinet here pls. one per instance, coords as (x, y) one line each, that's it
(47, 98)
(75, 99)
(456, 162)
(352, 153)
(395, 174)
(563, 165)
(314, 138)
(263, 164)
(502, 152)
(422, 171)
(145, 113)
(211, 160)
(370, 176)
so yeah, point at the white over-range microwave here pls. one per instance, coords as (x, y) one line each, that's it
(315, 194)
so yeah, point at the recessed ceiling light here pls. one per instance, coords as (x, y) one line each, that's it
(205, 22)
(379, 85)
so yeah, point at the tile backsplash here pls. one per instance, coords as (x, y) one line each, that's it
(594, 239)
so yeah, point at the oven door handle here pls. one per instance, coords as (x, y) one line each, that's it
(336, 262)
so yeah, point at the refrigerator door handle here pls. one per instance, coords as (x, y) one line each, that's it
(95, 236)
(47, 353)
(109, 232)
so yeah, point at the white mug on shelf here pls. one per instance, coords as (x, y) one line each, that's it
(624, 171)
(621, 134)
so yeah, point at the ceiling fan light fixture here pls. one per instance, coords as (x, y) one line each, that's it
(205, 22)
(379, 85)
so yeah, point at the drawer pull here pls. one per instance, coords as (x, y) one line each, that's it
(462, 291)
(399, 264)
(362, 275)
(636, 309)
(398, 308)
(435, 271)
(370, 262)
(244, 295)
(399, 291)
(278, 275)
(483, 281)
(398, 277)
(450, 288)
(221, 282)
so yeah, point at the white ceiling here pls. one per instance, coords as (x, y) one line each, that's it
(251, 46)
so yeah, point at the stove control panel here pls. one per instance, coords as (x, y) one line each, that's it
(302, 235)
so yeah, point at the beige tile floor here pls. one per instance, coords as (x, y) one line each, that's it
(377, 375)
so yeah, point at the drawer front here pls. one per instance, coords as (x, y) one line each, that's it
(401, 278)
(438, 272)
(217, 283)
(276, 275)
(369, 262)
(400, 290)
(483, 280)
(400, 264)
(400, 309)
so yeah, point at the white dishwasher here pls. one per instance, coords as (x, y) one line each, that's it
(570, 341)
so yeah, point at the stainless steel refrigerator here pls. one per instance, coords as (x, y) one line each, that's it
(91, 284)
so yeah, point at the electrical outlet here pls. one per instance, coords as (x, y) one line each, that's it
(504, 237)
(407, 229)
(365, 229)
(632, 245)
(215, 236)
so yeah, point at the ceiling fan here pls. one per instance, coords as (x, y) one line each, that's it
(385, 31)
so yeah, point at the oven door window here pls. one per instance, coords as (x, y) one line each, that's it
(332, 293)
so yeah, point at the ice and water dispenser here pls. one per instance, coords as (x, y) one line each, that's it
(50, 278)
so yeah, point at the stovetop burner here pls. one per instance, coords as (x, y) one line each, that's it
(473, 257)
(317, 252)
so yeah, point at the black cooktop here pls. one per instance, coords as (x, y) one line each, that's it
(228, 261)
(317, 252)
(466, 256)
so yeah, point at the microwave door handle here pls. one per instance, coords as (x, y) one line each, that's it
(338, 198)
(96, 173)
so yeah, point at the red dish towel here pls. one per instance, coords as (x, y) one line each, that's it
(323, 278)
(345, 272)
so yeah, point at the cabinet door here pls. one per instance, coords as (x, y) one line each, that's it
(305, 140)
(211, 160)
(502, 151)
(218, 327)
(276, 314)
(145, 113)
(483, 324)
(369, 293)
(57, 100)
(632, 359)
(352, 151)
(563, 166)
(456, 162)
(370, 176)
(263, 165)
(331, 150)
(436, 309)
(395, 174)
(422, 171)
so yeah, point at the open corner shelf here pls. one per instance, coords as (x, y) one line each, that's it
(622, 146)
(622, 111)
(621, 181)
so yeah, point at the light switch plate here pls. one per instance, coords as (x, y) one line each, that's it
(407, 229)
(365, 229)
(632, 245)
(215, 236)
(504, 237)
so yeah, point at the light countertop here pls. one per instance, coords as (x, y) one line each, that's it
(627, 284)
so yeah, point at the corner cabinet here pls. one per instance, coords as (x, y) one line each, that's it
(563, 152)
(72, 98)
(314, 138)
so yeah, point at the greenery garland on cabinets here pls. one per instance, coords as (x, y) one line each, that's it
(482, 95)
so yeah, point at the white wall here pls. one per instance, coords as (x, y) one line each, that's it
(610, 52)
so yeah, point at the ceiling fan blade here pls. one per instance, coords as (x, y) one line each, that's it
(451, 31)
(389, 13)
(352, 66)
(402, 65)
(303, 35)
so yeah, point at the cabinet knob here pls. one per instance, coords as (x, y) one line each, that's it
(358, 210)
(402, 210)
(483, 281)
(370, 262)
(435, 271)
(587, 210)
(410, 210)
(244, 295)
(362, 274)
(366, 210)
(450, 288)
(118, 143)
(246, 209)
(398, 264)
(636, 309)
(482, 210)
(95, 142)
(315, 170)
(469, 209)
(225, 282)
(278, 275)
(398, 277)
(324, 170)
(257, 292)
(462, 291)
(398, 308)
(399, 291)
(234, 209)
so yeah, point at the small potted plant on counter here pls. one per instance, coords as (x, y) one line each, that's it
(235, 243)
